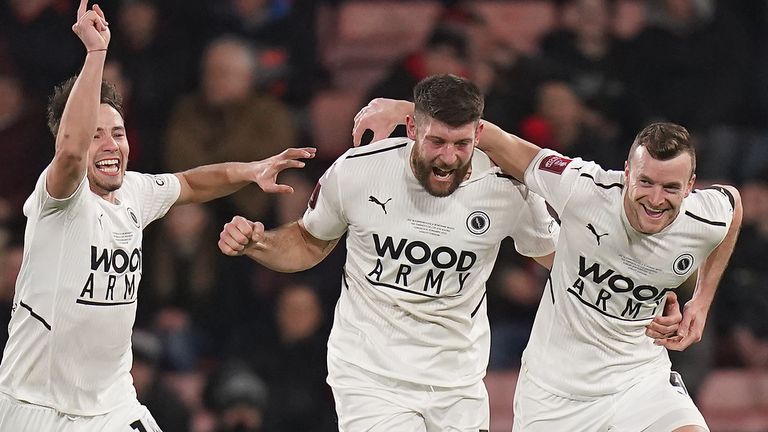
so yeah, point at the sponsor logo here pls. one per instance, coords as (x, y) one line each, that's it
(554, 164)
(383, 205)
(478, 222)
(594, 232)
(683, 264)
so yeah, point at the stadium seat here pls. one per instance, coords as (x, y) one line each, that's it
(501, 392)
(735, 400)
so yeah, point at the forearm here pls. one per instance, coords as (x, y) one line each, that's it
(290, 249)
(714, 266)
(78, 120)
(511, 153)
(208, 182)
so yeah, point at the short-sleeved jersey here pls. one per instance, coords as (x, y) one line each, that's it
(69, 345)
(609, 281)
(412, 304)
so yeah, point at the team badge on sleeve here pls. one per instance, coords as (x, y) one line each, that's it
(554, 164)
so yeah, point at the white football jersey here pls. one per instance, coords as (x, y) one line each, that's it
(412, 304)
(69, 345)
(608, 280)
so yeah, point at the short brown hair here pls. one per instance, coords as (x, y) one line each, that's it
(58, 100)
(665, 141)
(450, 99)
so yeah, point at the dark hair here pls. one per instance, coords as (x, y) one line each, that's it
(450, 99)
(665, 141)
(58, 100)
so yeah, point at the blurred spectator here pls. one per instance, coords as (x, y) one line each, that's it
(162, 401)
(514, 292)
(588, 56)
(743, 300)
(285, 32)
(559, 123)
(294, 364)
(157, 65)
(507, 77)
(689, 65)
(237, 397)
(226, 120)
(25, 146)
(40, 43)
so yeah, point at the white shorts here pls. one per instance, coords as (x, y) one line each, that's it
(20, 416)
(369, 402)
(653, 405)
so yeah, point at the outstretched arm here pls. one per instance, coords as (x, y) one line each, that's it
(508, 151)
(287, 249)
(78, 121)
(209, 182)
(696, 310)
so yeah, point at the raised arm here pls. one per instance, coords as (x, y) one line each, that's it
(711, 270)
(209, 182)
(287, 249)
(78, 121)
(508, 151)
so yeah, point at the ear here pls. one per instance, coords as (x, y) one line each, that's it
(689, 186)
(479, 130)
(410, 127)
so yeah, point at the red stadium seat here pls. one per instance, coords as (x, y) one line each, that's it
(735, 400)
(521, 23)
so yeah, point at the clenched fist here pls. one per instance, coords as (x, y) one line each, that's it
(240, 235)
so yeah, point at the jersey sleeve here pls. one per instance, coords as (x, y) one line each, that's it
(716, 205)
(324, 217)
(536, 232)
(553, 176)
(40, 200)
(156, 193)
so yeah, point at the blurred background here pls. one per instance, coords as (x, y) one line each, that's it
(222, 344)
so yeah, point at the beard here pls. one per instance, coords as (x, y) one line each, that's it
(423, 170)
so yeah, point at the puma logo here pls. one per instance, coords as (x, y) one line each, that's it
(382, 204)
(594, 231)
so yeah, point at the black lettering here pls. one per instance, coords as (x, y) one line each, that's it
(625, 286)
(135, 260)
(130, 287)
(463, 278)
(594, 269)
(388, 246)
(463, 264)
(88, 287)
(119, 253)
(426, 253)
(602, 296)
(651, 292)
(96, 262)
(403, 271)
(632, 308)
(579, 285)
(110, 295)
(431, 281)
(443, 250)
(662, 293)
(377, 271)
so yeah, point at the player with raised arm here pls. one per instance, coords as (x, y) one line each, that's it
(626, 239)
(66, 366)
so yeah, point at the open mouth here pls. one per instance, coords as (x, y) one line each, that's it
(108, 166)
(653, 213)
(442, 174)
